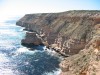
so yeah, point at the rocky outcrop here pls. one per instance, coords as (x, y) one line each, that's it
(73, 33)
(87, 61)
(31, 39)
(70, 30)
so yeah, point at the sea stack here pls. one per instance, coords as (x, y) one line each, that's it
(31, 39)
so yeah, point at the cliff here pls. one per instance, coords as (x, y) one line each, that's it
(75, 33)
(86, 62)
(70, 30)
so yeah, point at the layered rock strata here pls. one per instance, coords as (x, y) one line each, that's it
(70, 30)
(87, 61)
(68, 33)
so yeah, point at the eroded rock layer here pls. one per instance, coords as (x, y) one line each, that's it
(70, 30)
(68, 33)
(87, 61)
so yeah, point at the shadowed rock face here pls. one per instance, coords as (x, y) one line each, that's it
(66, 29)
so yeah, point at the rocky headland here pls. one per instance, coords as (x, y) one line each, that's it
(73, 33)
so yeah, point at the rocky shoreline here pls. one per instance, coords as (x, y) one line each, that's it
(33, 39)
(67, 33)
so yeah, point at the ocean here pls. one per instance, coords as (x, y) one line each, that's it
(16, 59)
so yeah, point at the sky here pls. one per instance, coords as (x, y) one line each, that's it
(13, 8)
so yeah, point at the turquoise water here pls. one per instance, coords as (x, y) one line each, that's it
(18, 60)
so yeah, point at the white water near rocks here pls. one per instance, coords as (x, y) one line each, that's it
(18, 60)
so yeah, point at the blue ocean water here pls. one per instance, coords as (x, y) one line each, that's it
(18, 60)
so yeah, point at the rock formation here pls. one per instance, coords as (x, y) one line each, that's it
(74, 33)
(31, 39)
(87, 61)
(70, 30)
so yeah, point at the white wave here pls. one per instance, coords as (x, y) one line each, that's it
(53, 73)
(5, 68)
(51, 52)
(3, 58)
(6, 46)
(20, 51)
(5, 71)
(23, 49)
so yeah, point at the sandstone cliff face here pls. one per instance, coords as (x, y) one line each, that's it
(71, 30)
(87, 61)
